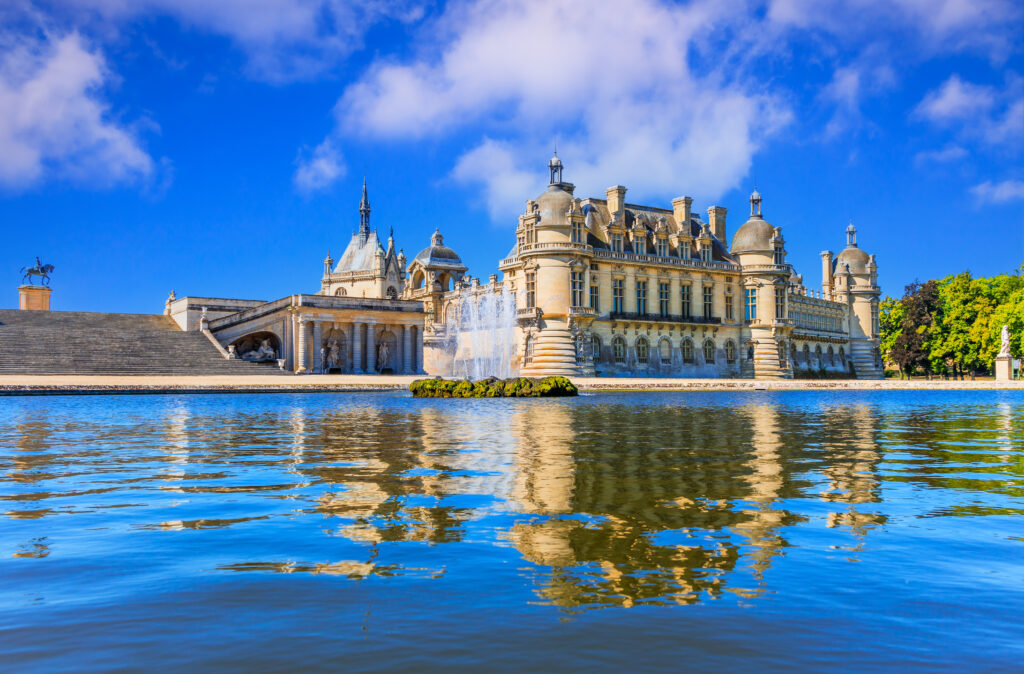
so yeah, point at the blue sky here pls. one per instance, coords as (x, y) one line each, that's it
(218, 148)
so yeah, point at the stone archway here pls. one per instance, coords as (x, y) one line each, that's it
(257, 347)
(388, 356)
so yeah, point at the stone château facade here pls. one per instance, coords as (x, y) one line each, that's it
(607, 287)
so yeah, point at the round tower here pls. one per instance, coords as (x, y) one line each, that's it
(556, 257)
(856, 284)
(760, 249)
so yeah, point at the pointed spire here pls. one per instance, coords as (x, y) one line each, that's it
(364, 213)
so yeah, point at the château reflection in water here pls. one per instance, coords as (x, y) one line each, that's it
(609, 500)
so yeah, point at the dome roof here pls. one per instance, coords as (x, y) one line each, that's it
(755, 236)
(554, 204)
(437, 254)
(856, 258)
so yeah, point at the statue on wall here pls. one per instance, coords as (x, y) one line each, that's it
(333, 355)
(264, 353)
(40, 269)
(383, 354)
(1004, 347)
(323, 359)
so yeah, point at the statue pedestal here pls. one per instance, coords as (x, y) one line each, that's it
(1004, 368)
(34, 298)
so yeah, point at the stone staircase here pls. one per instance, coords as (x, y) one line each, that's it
(863, 356)
(72, 342)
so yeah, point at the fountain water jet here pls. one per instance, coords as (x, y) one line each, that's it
(483, 331)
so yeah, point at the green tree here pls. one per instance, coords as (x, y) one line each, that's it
(890, 322)
(952, 344)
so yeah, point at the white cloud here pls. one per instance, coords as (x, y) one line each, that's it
(322, 168)
(999, 193)
(54, 122)
(283, 39)
(993, 116)
(956, 100)
(619, 81)
(945, 155)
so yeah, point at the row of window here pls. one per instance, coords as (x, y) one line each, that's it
(821, 356)
(661, 248)
(664, 298)
(810, 321)
(663, 352)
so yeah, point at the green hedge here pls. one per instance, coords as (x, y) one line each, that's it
(520, 387)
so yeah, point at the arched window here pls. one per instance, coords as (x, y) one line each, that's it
(595, 348)
(340, 292)
(782, 355)
(730, 352)
(807, 355)
(528, 349)
(709, 351)
(642, 351)
(619, 350)
(817, 352)
(687, 350)
(750, 351)
(418, 280)
(842, 356)
(831, 356)
(445, 281)
(392, 293)
(794, 355)
(665, 348)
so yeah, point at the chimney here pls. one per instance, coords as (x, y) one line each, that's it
(716, 218)
(681, 209)
(826, 273)
(616, 199)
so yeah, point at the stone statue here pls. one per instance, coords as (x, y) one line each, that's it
(383, 354)
(40, 269)
(333, 355)
(323, 359)
(1004, 347)
(263, 354)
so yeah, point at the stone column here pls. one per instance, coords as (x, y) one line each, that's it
(304, 328)
(407, 349)
(286, 342)
(357, 348)
(418, 349)
(318, 364)
(371, 349)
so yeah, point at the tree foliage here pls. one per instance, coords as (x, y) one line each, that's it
(952, 325)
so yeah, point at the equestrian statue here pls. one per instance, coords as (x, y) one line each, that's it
(40, 269)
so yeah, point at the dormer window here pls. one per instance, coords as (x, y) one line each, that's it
(684, 250)
(705, 253)
(639, 246)
(577, 232)
(663, 246)
(780, 255)
(617, 243)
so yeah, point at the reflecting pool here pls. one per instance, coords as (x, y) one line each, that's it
(756, 530)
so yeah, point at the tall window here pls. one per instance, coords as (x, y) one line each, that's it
(780, 302)
(663, 298)
(662, 246)
(595, 298)
(730, 352)
(531, 289)
(618, 293)
(665, 350)
(709, 352)
(531, 233)
(751, 304)
(577, 232)
(686, 300)
(709, 297)
(643, 351)
(705, 253)
(577, 289)
(595, 348)
(639, 245)
(641, 297)
(780, 257)
(619, 350)
(874, 318)
(617, 243)
(687, 351)
(684, 250)
(729, 313)
(528, 349)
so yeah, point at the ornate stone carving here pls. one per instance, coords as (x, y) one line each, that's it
(1004, 346)
(265, 353)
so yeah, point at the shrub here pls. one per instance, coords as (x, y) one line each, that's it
(492, 387)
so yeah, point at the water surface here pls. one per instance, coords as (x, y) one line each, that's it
(756, 530)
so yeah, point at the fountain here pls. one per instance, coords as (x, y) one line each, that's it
(483, 332)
